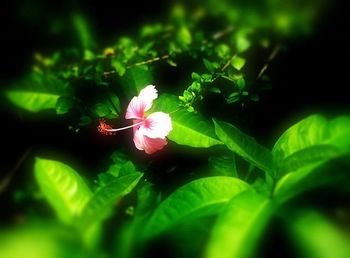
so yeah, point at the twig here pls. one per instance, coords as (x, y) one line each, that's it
(222, 33)
(227, 64)
(216, 36)
(7, 179)
(149, 61)
(155, 59)
(272, 56)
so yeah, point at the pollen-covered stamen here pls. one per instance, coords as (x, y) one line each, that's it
(108, 130)
(104, 128)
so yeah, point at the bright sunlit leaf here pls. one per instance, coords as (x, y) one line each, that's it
(223, 164)
(135, 79)
(238, 62)
(82, 28)
(239, 226)
(184, 36)
(63, 187)
(105, 197)
(188, 128)
(198, 198)
(244, 145)
(311, 140)
(63, 105)
(32, 101)
(40, 240)
(316, 174)
(318, 237)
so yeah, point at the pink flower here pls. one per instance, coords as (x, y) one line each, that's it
(149, 131)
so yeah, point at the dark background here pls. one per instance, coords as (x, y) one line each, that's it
(310, 76)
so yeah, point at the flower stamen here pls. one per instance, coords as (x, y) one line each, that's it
(106, 129)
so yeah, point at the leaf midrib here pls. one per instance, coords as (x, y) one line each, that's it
(251, 159)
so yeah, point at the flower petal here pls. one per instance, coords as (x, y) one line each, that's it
(149, 145)
(139, 105)
(147, 95)
(136, 109)
(157, 125)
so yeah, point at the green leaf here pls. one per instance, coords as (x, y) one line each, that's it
(207, 77)
(317, 237)
(38, 91)
(62, 186)
(119, 67)
(84, 120)
(238, 62)
(129, 236)
(135, 79)
(196, 77)
(215, 90)
(195, 87)
(233, 97)
(223, 164)
(31, 100)
(102, 201)
(101, 110)
(211, 66)
(114, 104)
(242, 42)
(239, 226)
(121, 167)
(198, 198)
(63, 105)
(240, 83)
(109, 107)
(317, 174)
(82, 28)
(88, 55)
(184, 36)
(223, 51)
(307, 156)
(150, 30)
(39, 239)
(244, 145)
(311, 140)
(188, 128)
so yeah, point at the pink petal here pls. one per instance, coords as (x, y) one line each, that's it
(149, 145)
(136, 109)
(156, 125)
(147, 95)
(139, 105)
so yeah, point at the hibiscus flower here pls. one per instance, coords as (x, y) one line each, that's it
(149, 131)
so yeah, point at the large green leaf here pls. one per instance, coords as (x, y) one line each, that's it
(223, 164)
(307, 156)
(103, 200)
(198, 198)
(311, 140)
(317, 237)
(37, 92)
(239, 226)
(244, 145)
(135, 79)
(188, 128)
(40, 239)
(31, 100)
(62, 186)
(83, 32)
(317, 174)
(129, 235)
